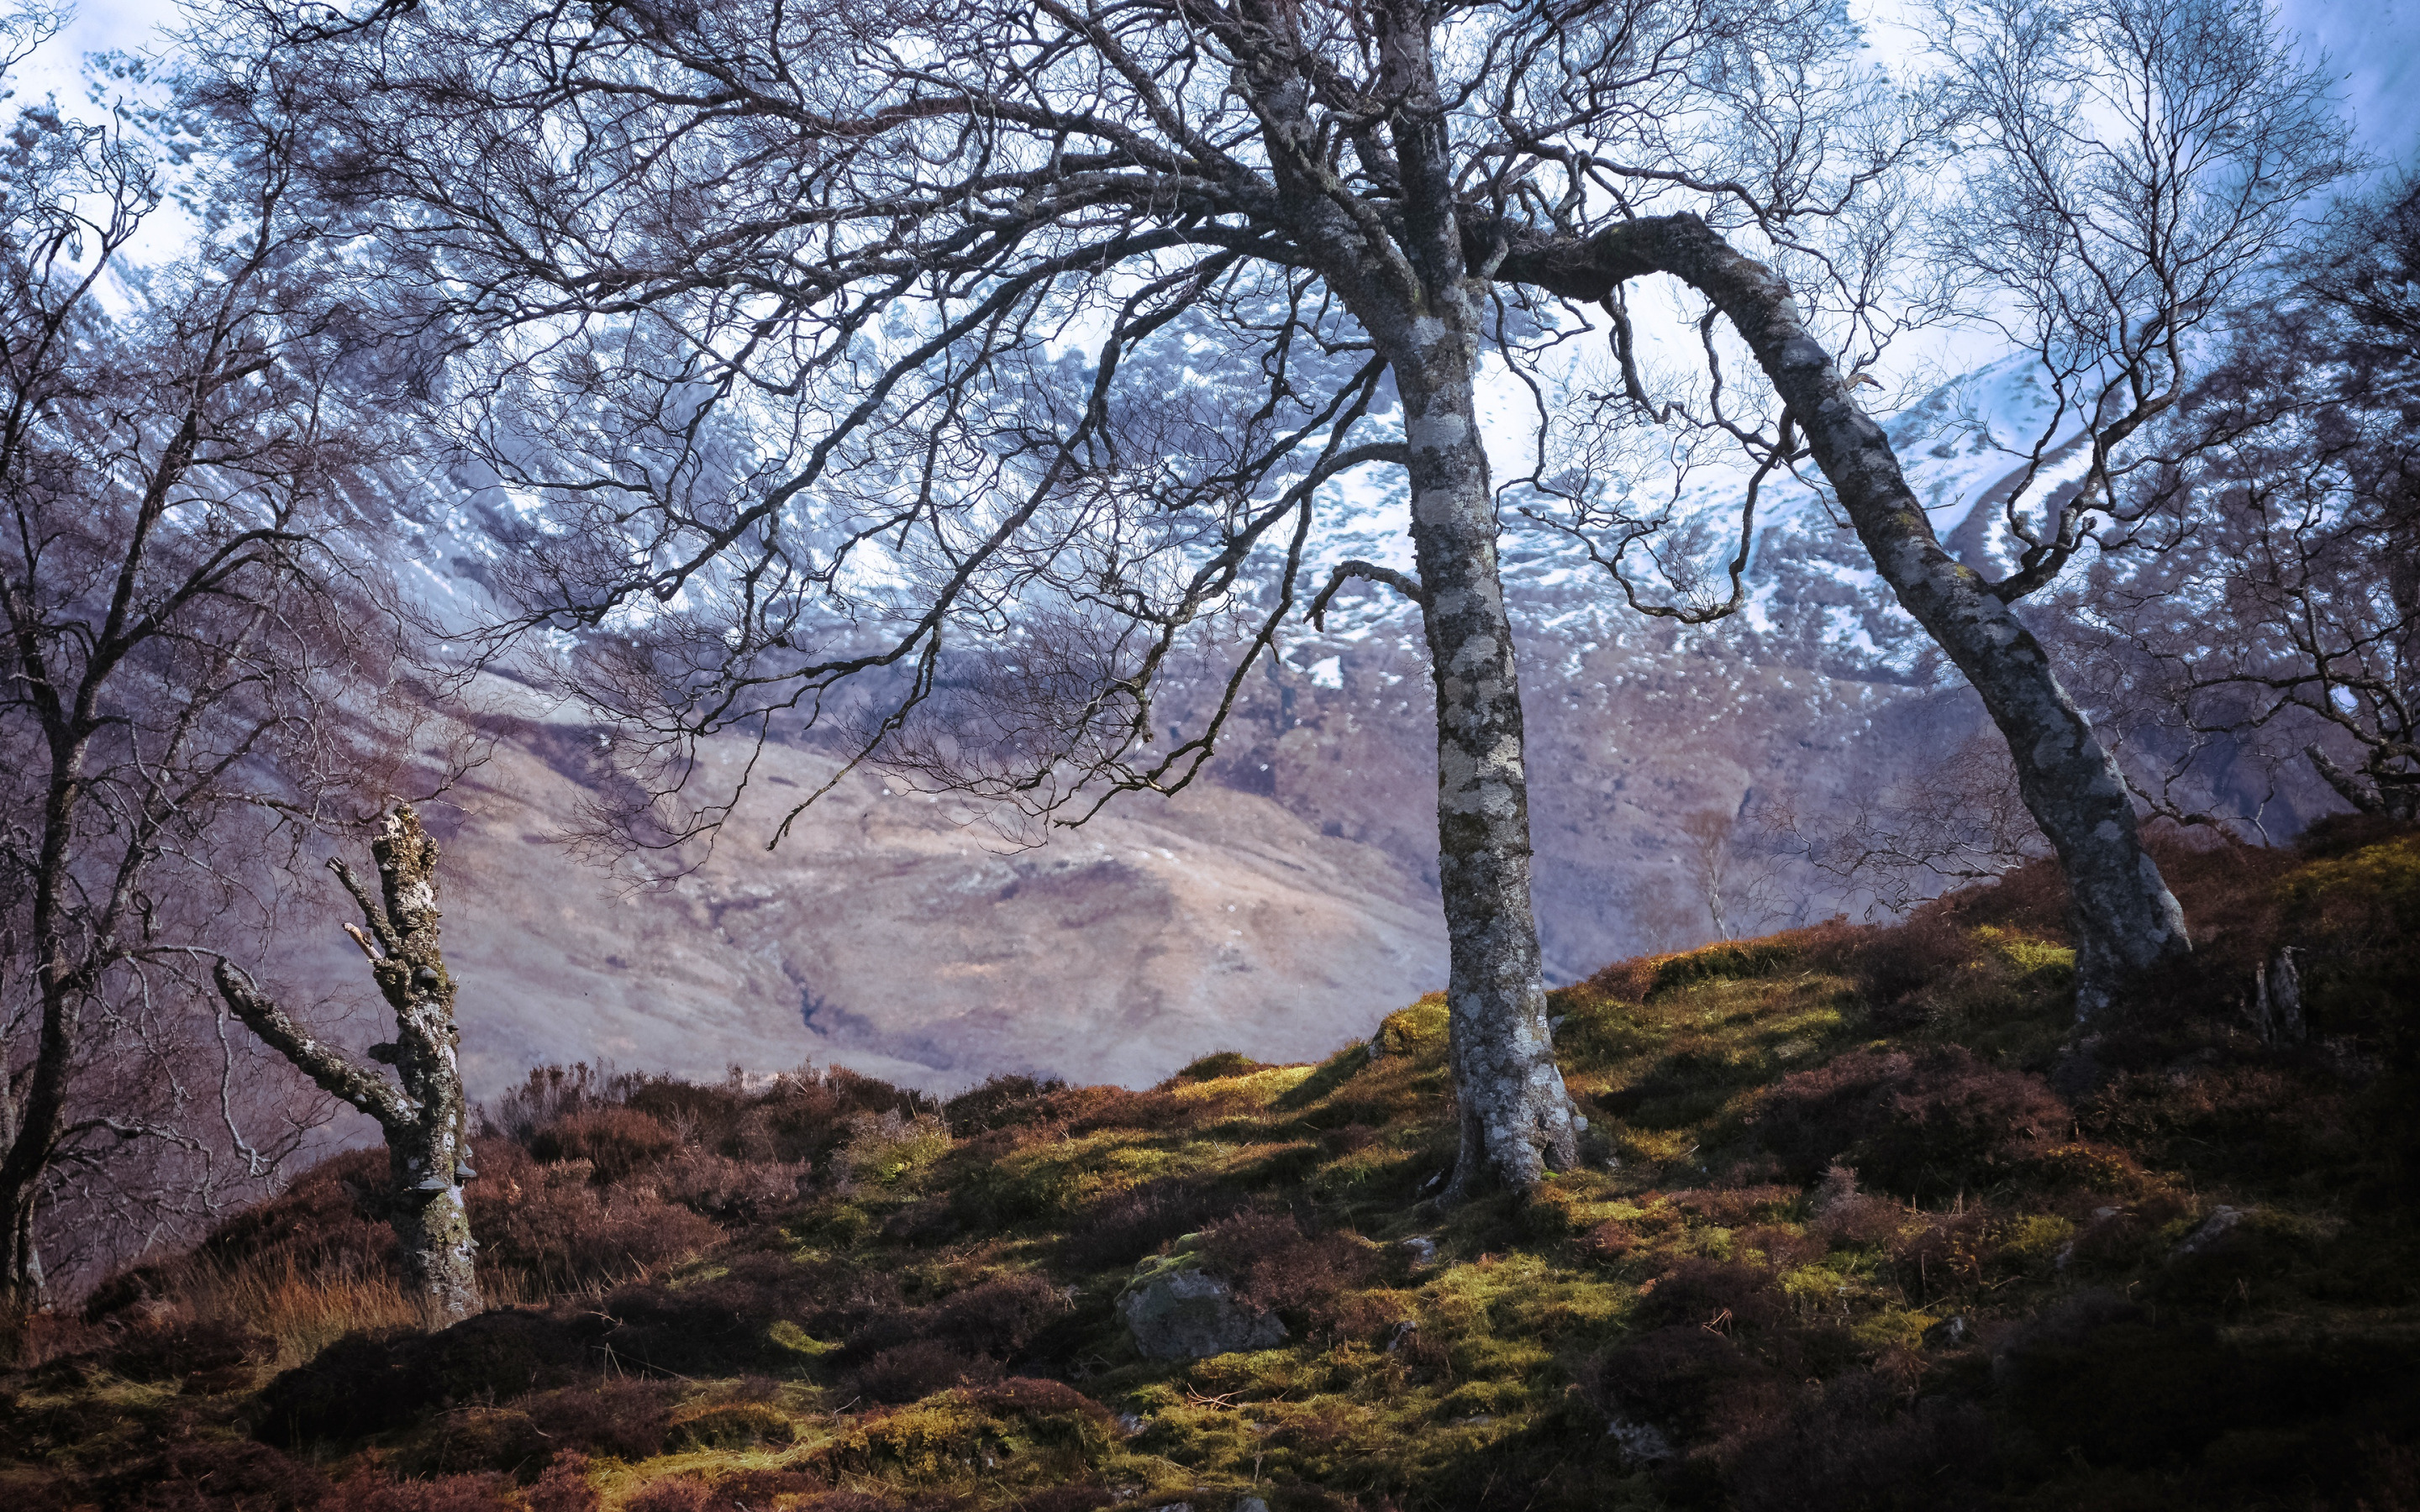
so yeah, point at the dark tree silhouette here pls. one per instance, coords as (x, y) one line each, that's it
(173, 629)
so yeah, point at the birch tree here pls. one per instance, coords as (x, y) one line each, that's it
(982, 357)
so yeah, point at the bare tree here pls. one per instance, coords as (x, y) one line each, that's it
(1957, 821)
(1732, 866)
(421, 1113)
(2287, 621)
(171, 469)
(979, 356)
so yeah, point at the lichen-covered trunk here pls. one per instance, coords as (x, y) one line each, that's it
(425, 1118)
(1518, 1120)
(2126, 923)
(432, 1226)
(427, 1150)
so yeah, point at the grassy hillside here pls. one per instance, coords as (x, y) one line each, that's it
(1858, 1231)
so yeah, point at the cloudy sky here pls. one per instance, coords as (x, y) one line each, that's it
(2374, 46)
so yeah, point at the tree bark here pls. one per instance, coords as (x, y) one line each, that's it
(1410, 287)
(1516, 1118)
(35, 1126)
(2126, 923)
(424, 1120)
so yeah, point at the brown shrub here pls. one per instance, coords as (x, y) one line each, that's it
(1855, 1444)
(1089, 1109)
(1274, 1265)
(446, 1494)
(2031, 899)
(1691, 1383)
(615, 1141)
(1217, 1066)
(1002, 1103)
(174, 1348)
(1919, 1125)
(368, 1383)
(1730, 1207)
(674, 1493)
(620, 1419)
(214, 1476)
(1721, 1295)
(551, 1223)
(327, 1223)
(470, 1439)
(564, 1487)
(1902, 971)
(770, 1488)
(1846, 1218)
(997, 1317)
(2117, 1238)
(2256, 1122)
(1608, 1241)
(546, 1094)
(731, 1192)
(717, 1327)
(1781, 1247)
(911, 1371)
(1124, 1227)
(1034, 1400)
(1945, 1252)
(1065, 1499)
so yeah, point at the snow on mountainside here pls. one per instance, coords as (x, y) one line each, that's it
(1284, 904)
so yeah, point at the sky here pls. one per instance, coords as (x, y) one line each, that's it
(2374, 45)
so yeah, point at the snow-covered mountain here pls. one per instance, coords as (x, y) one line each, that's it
(1284, 905)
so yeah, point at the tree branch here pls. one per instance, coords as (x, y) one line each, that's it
(325, 1065)
(1408, 587)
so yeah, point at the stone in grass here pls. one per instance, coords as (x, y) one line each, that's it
(2213, 1233)
(1185, 1313)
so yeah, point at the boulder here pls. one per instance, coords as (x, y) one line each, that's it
(1185, 1313)
(2210, 1235)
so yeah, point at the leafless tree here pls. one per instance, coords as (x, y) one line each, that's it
(172, 470)
(1957, 820)
(423, 1112)
(1732, 867)
(2134, 169)
(2288, 620)
(978, 356)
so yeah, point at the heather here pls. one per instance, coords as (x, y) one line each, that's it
(1859, 1227)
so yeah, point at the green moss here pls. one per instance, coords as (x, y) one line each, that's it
(1419, 1030)
(1493, 1395)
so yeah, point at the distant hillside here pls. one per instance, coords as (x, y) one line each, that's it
(1858, 1229)
(1111, 954)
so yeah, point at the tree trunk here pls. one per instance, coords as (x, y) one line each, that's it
(432, 1225)
(22, 1288)
(2127, 924)
(424, 1119)
(1517, 1120)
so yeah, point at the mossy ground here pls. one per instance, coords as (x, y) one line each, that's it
(1855, 1229)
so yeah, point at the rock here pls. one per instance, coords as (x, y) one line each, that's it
(1949, 1334)
(1641, 1444)
(1251, 1504)
(1420, 1252)
(1191, 1314)
(2209, 1234)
